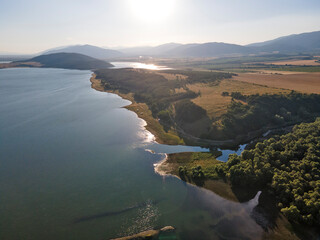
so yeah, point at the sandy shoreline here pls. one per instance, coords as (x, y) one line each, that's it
(144, 113)
(162, 167)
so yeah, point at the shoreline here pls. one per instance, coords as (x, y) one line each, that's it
(158, 166)
(162, 167)
(144, 113)
(178, 136)
(166, 168)
(153, 125)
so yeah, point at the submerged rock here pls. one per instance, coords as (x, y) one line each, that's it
(167, 229)
(150, 234)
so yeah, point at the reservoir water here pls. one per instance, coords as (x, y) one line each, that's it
(138, 65)
(74, 165)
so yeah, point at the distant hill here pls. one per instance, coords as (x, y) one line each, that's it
(212, 49)
(188, 50)
(136, 51)
(297, 43)
(68, 61)
(150, 51)
(304, 42)
(292, 44)
(89, 50)
(164, 49)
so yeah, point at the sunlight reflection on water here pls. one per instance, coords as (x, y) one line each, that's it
(138, 65)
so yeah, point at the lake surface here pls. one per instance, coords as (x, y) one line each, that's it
(74, 165)
(138, 65)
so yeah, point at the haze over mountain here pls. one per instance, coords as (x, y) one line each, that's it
(292, 43)
(68, 61)
(89, 50)
(212, 49)
(297, 43)
(161, 50)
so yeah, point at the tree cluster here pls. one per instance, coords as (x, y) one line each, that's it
(265, 111)
(289, 165)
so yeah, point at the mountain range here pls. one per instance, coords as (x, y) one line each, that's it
(303, 42)
(89, 50)
(292, 44)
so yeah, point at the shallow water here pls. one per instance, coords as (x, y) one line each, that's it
(68, 152)
(227, 152)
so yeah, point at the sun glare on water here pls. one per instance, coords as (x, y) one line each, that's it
(152, 11)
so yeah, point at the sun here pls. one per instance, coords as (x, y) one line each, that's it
(152, 11)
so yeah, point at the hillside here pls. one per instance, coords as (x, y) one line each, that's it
(292, 44)
(89, 50)
(68, 61)
(160, 50)
(212, 49)
(174, 97)
(303, 42)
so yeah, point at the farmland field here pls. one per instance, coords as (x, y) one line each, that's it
(297, 62)
(215, 104)
(301, 82)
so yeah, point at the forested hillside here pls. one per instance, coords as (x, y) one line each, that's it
(169, 100)
(289, 165)
(255, 112)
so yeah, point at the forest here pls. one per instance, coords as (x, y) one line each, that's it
(255, 112)
(288, 165)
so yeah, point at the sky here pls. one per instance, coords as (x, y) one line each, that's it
(32, 26)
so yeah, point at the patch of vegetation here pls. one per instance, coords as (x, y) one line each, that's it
(298, 68)
(272, 67)
(288, 165)
(162, 134)
(238, 95)
(195, 165)
(201, 76)
(265, 111)
(215, 99)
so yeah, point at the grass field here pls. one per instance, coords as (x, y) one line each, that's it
(301, 82)
(207, 161)
(215, 104)
(190, 160)
(297, 62)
